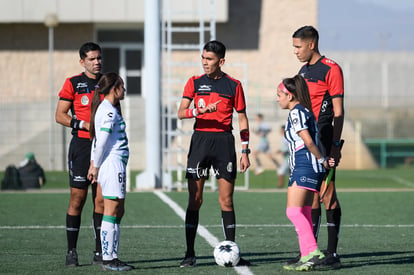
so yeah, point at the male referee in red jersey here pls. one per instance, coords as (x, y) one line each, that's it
(76, 97)
(326, 88)
(215, 95)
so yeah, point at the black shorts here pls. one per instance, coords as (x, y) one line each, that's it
(216, 150)
(78, 160)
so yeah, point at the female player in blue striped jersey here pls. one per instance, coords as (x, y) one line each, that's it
(109, 158)
(307, 165)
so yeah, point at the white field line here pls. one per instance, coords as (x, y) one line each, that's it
(44, 227)
(403, 181)
(202, 231)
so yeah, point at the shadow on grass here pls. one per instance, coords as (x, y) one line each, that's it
(377, 258)
(254, 258)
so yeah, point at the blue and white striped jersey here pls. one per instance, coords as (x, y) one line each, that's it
(300, 118)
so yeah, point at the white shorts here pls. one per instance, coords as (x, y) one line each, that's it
(112, 178)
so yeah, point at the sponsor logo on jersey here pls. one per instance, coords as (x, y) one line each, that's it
(295, 121)
(85, 100)
(201, 103)
(324, 105)
(82, 85)
(204, 88)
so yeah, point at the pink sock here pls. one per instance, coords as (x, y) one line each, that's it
(304, 230)
(307, 211)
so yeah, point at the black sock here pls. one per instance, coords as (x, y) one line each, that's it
(191, 224)
(316, 221)
(229, 225)
(97, 221)
(72, 230)
(333, 219)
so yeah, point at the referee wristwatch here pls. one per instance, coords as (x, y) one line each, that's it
(245, 151)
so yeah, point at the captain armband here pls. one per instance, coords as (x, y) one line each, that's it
(190, 113)
(244, 136)
(76, 124)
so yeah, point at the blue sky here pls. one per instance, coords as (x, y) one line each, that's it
(366, 25)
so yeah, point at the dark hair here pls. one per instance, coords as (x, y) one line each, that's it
(88, 47)
(105, 85)
(307, 32)
(216, 47)
(299, 89)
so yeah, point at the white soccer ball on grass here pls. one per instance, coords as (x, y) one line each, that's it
(227, 253)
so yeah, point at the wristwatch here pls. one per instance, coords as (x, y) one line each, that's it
(245, 151)
(336, 143)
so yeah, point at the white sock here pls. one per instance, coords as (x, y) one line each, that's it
(107, 237)
(116, 241)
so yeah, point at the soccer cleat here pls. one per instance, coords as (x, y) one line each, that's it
(97, 258)
(189, 261)
(72, 258)
(116, 265)
(308, 262)
(331, 261)
(293, 261)
(243, 262)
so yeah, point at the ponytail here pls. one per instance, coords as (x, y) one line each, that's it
(298, 87)
(105, 84)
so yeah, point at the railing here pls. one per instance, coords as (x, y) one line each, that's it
(392, 148)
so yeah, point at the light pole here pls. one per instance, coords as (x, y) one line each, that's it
(51, 21)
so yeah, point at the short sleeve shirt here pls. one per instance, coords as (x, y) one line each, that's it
(79, 90)
(325, 81)
(204, 90)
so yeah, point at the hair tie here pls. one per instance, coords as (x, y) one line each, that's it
(283, 88)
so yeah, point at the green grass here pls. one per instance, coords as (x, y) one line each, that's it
(399, 177)
(376, 233)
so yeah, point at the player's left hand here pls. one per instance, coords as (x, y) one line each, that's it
(93, 174)
(244, 163)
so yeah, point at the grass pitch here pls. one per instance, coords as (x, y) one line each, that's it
(376, 234)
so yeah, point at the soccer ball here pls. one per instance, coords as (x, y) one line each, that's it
(227, 253)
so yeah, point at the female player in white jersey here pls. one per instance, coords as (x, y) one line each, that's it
(307, 165)
(109, 158)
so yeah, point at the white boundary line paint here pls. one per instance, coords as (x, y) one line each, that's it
(202, 231)
(403, 181)
(143, 226)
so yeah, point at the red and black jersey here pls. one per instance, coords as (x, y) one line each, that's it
(204, 90)
(325, 81)
(79, 90)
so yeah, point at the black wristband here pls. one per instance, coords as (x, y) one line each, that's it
(75, 124)
(245, 151)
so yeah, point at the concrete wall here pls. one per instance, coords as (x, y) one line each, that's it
(257, 34)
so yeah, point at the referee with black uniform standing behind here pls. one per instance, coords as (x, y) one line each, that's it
(326, 88)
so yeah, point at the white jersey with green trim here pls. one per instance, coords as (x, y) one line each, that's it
(110, 136)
